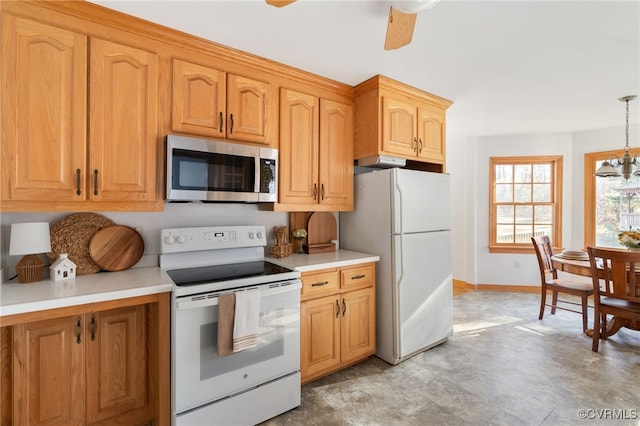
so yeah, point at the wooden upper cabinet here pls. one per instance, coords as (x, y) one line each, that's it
(299, 138)
(199, 99)
(44, 101)
(316, 153)
(336, 155)
(394, 119)
(211, 102)
(431, 133)
(399, 127)
(251, 110)
(123, 123)
(48, 162)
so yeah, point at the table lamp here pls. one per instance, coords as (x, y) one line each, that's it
(29, 239)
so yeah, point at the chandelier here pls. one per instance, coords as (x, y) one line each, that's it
(616, 166)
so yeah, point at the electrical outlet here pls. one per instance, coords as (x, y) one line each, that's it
(516, 264)
(139, 229)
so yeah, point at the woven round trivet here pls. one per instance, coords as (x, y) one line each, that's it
(72, 235)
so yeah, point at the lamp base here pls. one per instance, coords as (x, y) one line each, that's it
(30, 269)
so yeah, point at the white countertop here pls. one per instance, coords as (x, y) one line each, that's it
(313, 262)
(16, 298)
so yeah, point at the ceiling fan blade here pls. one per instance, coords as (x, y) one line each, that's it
(279, 3)
(399, 29)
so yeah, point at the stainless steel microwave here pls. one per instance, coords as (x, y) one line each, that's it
(210, 170)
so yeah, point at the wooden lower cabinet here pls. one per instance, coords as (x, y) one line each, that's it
(337, 324)
(93, 367)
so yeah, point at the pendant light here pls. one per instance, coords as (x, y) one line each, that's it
(616, 166)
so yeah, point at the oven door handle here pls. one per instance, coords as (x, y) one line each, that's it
(204, 301)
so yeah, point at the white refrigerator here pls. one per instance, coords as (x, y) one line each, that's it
(404, 216)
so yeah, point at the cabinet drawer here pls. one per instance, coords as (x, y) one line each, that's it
(325, 281)
(359, 276)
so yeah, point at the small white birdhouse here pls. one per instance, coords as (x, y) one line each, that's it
(62, 268)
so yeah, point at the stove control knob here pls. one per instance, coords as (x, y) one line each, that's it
(259, 235)
(181, 239)
(251, 236)
(169, 240)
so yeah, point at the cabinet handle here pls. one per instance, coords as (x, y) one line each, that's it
(320, 284)
(322, 191)
(357, 277)
(420, 142)
(344, 307)
(78, 191)
(221, 121)
(231, 124)
(337, 308)
(415, 141)
(95, 182)
(92, 327)
(78, 330)
(315, 191)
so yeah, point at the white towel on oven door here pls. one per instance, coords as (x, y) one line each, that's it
(247, 315)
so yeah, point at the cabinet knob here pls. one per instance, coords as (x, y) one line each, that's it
(415, 142)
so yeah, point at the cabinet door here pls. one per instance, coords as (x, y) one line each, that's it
(299, 137)
(44, 98)
(251, 110)
(358, 324)
(123, 123)
(49, 373)
(399, 123)
(336, 154)
(431, 134)
(199, 99)
(116, 366)
(319, 336)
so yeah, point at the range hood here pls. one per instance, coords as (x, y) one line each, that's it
(382, 161)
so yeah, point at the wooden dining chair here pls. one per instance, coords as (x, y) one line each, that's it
(615, 282)
(549, 281)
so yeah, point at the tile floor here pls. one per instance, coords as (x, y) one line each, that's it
(502, 366)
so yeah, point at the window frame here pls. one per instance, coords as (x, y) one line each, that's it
(556, 163)
(590, 159)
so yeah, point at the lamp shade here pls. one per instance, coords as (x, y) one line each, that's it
(30, 238)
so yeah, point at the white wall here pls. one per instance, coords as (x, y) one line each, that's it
(468, 164)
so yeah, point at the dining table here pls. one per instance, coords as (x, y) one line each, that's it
(583, 268)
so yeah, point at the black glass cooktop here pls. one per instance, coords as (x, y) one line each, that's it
(211, 274)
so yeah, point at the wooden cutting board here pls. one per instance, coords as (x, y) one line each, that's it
(116, 248)
(321, 230)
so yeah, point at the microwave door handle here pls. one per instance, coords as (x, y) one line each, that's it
(256, 175)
